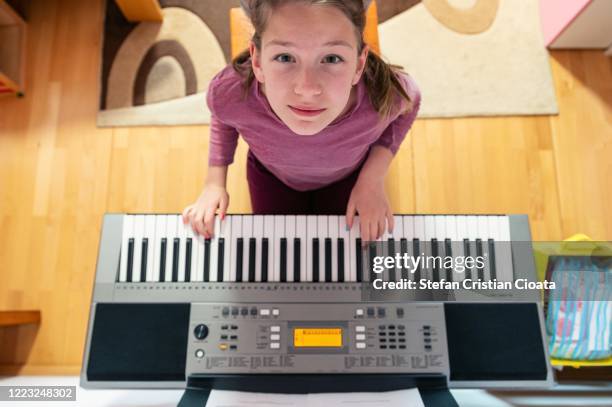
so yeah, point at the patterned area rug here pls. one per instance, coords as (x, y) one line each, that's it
(470, 58)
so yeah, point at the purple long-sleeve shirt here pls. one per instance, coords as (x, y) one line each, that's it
(301, 162)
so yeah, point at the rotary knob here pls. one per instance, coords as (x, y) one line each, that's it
(201, 331)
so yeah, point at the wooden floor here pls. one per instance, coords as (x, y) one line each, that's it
(59, 174)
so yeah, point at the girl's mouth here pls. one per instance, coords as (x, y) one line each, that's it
(306, 112)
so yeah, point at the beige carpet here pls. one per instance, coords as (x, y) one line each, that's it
(471, 59)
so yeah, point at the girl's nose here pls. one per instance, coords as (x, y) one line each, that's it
(307, 84)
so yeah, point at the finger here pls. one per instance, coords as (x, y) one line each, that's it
(390, 221)
(209, 222)
(350, 214)
(364, 231)
(196, 223)
(186, 212)
(373, 230)
(382, 223)
(223, 204)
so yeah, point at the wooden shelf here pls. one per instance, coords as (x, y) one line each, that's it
(13, 318)
(12, 51)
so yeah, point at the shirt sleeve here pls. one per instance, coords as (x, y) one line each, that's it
(223, 136)
(397, 130)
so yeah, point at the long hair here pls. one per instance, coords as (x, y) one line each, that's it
(381, 81)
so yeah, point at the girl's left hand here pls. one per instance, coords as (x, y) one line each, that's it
(369, 200)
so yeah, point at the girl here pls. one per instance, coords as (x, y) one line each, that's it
(322, 117)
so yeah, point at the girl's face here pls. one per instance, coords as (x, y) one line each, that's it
(308, 65)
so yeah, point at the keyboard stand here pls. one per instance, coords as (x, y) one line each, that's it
(433, 388)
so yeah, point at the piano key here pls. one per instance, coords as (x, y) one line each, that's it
(448, 252)
(160, 232)
(398, 234)
(315, 260)
(372, 253)
(297, 259)
(236, 232)
(269, 233)
(214, 250)
(483, 234)
(343, 244)
(265, 250)
(405, 272)
(354, 251)
(188, 256)
(322, 230)
(252, 258)
(130, 260)
(283, 260)
(258, 234)
(176, 247)
(435, 253)
(150, 233)
(492, 265)
(341, 266)
(430, 233)
(492, 240)
(163, 250)
(225, 246)
(504, 252)
(126, 233)
(479, 253)
(290, 235)
(144, 258)
(171, 233)
(468, 253)
(194, 273)
(206, 255)
(332, 228)
(198, 256)
(472, 234)
(279, 232)
(302, 235)
(359, 272)
(247, 234)
(139, 224)
(239, 258)
(328, 260)
(416, 252)
(183, 231)
(311, 234)
(441, 235)
(459, 245)
(391, 250)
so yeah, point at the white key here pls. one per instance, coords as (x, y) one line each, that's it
(195, 252)
(197, 248)
(472, 230)
(483, 234)
(182, 233)
(301, 233)
(225, 227)
(236, 233)
(247, 234)
(322, 232)
(353, 250)
(332, 228)
(269, 233)
(311, 233)
(290, 235)
(150, 235)
(397, 235)
(462, 233)
(258, 234)
(279, 232)
(456, 244)
(214, 251)
(171, 230)
(127, 233)
(139, 225)
(430, 233)
(160, 232)
(345, 235)
(505, 252)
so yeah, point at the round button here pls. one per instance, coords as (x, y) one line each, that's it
(201, 331)
(199, 353)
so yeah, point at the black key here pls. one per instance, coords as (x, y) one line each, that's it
(391, 243)
(341, 260)
(207, 260)
(130, 260)
(220, 259)
(492, 270)
(252, 259)
(315, 259)
(479, 254)
(162, 260)
(466, 250)
(449, 252)
(264, 260)
(328, 260)
(372, 251)
(416, 251)
(404, 249)
(359, 260)
(143, 259)
(297, 258)
(283, 260)
(175, 259)
(188, 260)
(239, 249)
(434, 254)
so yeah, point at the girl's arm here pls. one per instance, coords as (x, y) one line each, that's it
(368, 197)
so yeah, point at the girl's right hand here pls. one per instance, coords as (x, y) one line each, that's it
(201, 214)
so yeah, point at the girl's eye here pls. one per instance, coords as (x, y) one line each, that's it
(283, 58)
(333, 59)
